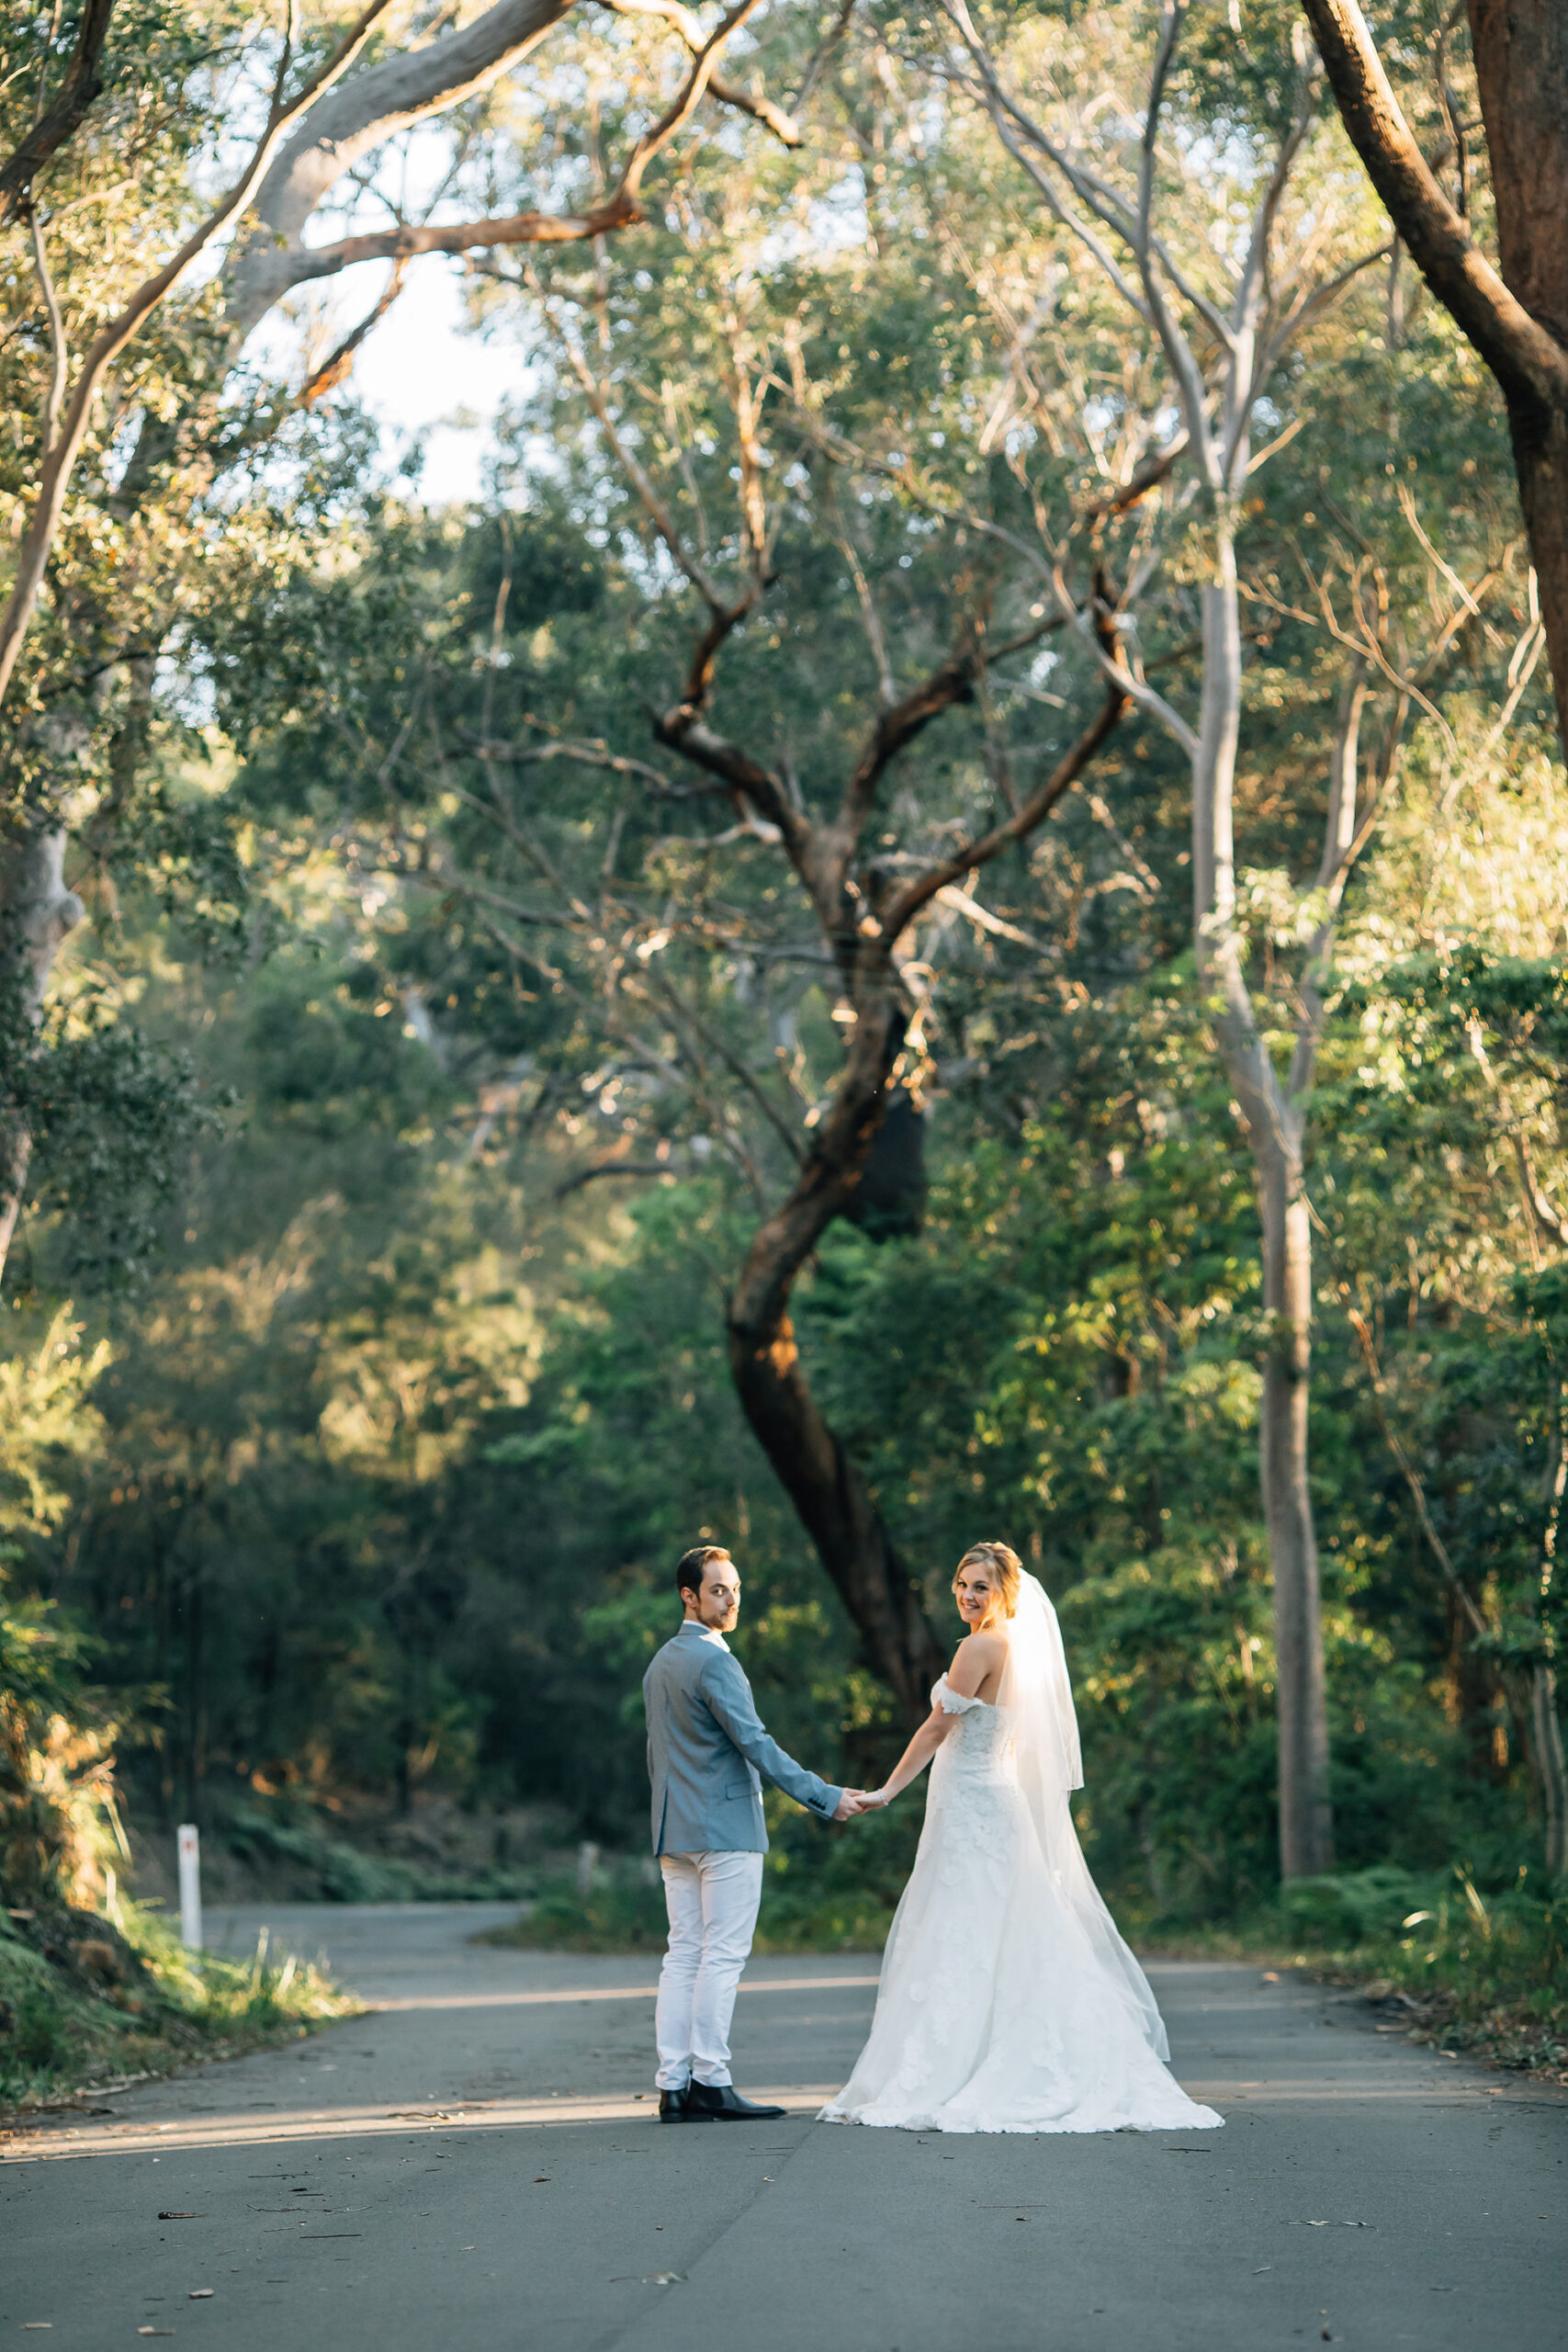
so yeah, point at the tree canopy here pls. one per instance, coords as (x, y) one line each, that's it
(941, 914)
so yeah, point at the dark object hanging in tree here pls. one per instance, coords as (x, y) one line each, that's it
(890, 1198)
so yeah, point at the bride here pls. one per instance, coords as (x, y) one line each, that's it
(1007, 2001)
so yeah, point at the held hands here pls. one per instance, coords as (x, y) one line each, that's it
(854, 1801)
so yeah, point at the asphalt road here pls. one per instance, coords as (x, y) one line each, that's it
(470, 2167)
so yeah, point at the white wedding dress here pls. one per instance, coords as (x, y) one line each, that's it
(1009, 2001)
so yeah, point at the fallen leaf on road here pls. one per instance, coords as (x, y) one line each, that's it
(1268, 2265)
(540, 2178)
(182, 2217)
(201, 2294)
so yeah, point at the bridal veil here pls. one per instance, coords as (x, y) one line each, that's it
(1038, 1696)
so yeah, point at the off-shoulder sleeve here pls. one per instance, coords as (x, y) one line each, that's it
(951, 1701)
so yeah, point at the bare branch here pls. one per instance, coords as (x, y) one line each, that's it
(1412, 1477)
(60, 121)
(907, 903)
(658, 509)
(54, 400)
(599, 1168)
(676, 1003)
(338, 362)
(407, 87)
(784, 126)
(951, 682)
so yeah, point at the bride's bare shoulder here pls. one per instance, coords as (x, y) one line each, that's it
(976, 1657)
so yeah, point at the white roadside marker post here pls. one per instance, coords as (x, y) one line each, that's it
(190, 1884)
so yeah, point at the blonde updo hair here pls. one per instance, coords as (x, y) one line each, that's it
(1003, 1564)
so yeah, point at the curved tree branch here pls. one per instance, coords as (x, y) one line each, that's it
(396, 92)
(59, 121)
(1520, 353)
(60, 461)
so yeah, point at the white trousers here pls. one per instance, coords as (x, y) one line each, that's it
(712, 1899)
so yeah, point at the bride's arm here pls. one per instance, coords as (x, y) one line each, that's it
(964, 1677)
(918, 1755)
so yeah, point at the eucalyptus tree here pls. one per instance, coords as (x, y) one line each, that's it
(830, 650)
(1213, 207)
(1514, 309)
(124, 361)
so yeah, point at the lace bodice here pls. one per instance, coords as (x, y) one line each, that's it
(980, 1745)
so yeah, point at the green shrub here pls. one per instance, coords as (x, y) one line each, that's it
(152, 2004)
(1482, 1969)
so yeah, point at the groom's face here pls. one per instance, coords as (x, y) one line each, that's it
(718, 1602)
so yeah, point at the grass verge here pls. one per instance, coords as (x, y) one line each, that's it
(85, 2001)
(1467, 1970)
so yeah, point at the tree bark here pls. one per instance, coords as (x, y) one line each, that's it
(59, 122)
(1521, 71)
(830, 1495)
(1306, 1821)
(1274, 1125)
(1517, 318)
(396, 92)
(37, 912)
(1547, 1740)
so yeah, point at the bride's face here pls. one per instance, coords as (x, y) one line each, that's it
(977, 1596)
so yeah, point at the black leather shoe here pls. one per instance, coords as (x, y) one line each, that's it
(675, 2107)
(723, 2104)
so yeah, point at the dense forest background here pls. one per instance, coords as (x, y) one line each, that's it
(452, 1008)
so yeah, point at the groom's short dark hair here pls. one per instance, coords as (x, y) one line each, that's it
(693, 1566)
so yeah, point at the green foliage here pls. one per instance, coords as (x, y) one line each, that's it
(84, 2001)
(108, 1114)
(1473, 1969)
(515, 1024)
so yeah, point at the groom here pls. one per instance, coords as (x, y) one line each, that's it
(707, 1755)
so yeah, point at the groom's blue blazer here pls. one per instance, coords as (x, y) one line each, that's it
(708, 1754)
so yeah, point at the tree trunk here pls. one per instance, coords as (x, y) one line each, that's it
(36, 912)
(830, 1495)
(1521, 71)
(1274, 1134)
(836, 1510)
(1547, 1740)
(1517, 317)
(1306, 1825)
